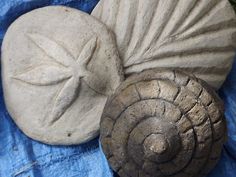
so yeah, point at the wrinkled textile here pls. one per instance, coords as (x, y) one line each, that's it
(22, 157)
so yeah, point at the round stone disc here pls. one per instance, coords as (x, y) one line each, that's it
(58, 67)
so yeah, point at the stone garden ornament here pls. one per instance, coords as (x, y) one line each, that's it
(58, 67)
(162, 121)
(197, 36)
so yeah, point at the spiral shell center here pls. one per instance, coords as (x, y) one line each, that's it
(155, 144)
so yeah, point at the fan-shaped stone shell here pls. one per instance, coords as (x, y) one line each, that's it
(195, 35)
(163, 123)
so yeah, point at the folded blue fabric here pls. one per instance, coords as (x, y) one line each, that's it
(227, 165)
(22, 157)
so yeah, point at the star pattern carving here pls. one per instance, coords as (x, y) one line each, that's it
(67, 69)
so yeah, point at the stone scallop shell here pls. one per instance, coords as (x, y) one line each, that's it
(163, 123)
(195, 35)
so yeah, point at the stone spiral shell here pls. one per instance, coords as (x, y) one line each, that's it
(162, 123)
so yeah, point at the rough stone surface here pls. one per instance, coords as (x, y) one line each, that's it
(194, 35)
(58, 67)
(156, 135)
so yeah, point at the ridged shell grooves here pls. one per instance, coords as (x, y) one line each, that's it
(195, 35)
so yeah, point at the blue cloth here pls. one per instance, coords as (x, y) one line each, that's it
(227, 165)
(22, 157)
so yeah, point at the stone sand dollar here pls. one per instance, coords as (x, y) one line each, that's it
(58, 66)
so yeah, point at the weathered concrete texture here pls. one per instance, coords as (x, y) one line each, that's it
(173, 126)
(58, 67)
(193, 35)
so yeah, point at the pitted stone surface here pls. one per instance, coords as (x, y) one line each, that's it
(156, 135)
(58, 67)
